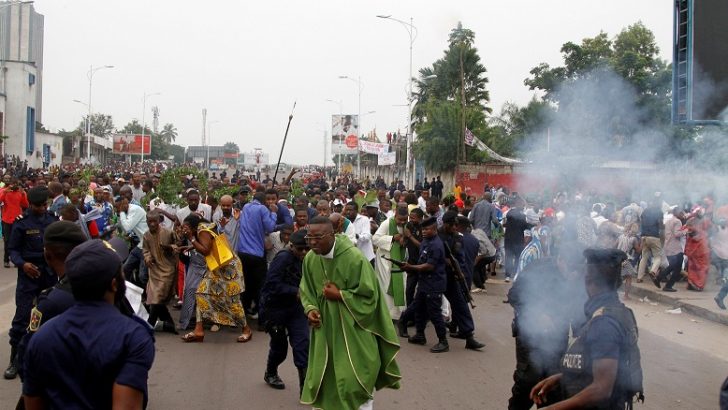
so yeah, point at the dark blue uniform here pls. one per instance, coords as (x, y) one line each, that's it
(430, 287)
(74, 360)
(282, 312)
(604, 336)
(26, 245)
(51, 303)
(470, 252)
(461, 316)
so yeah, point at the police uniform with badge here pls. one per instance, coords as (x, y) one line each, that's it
(57, 299)
(462, 319)
(604, 352)
(26, 252)
(431, 284)
(282, 313)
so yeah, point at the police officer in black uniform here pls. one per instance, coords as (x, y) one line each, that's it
(601, 368)
(26, 252)
(59, 240)
(431, 284)
(282, 313)
(462, 319)
(545, 299)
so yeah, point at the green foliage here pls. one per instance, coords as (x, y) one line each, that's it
(168, 133)
(362, 200)
(225, 190)
(171, 185)
(231, 147)
(101, 125)
(297, 189)
(515, 126)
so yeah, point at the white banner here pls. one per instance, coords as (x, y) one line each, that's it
(373, 147)
(387, 158)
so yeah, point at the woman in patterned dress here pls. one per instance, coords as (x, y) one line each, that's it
(217, 293)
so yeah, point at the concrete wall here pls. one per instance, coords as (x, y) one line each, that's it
(19, 95)
(55, 142)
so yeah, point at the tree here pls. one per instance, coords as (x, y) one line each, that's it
(442, 81)
(454, 81)
(231, 147)
(134, 127)
(169, 133)
(101, 125)
(515, 127)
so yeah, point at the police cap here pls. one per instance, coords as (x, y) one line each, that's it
(63, 232)
(449, 217)
(605, 265)
(38, 195)
(92, 261)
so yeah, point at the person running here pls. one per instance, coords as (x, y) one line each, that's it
(161, 258)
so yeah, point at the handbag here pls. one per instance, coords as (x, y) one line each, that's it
(220, 255)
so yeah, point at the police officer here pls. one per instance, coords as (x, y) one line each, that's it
(462, 319)
(544, 299)
(432, 283)
(92, 355)
(59, 240)
(601, 368)
(26, 252)
(282, 312)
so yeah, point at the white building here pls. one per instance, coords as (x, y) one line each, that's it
(21, 71)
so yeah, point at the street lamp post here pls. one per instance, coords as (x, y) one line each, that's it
(341, 112)
(144, 123)
(209, 139)
(412, 31)
(358, 83)
(85, 126)
(90, 75)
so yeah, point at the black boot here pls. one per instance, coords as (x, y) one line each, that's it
(402, 329)
(418, 339)
(441, 346)
(12, 371)
(273, 380)
(301, 379)
(472, 344)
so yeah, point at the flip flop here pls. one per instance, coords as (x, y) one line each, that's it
(193, 338)
(245, 337)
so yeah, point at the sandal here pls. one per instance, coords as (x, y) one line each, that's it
(193, 338)
(245, 337)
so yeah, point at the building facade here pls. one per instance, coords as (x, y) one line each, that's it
(21, 72)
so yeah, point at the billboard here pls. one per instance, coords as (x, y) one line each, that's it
(132, 144)
(344, 134)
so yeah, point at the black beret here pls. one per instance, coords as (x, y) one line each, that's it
(429, 221)
(38, 195)
(64, 232)
(298, 238)
(609, 257)
(92, 261)
(449, 217)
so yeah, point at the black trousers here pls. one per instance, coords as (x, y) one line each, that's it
(673, 270)
(428, 306)
(293, 329)
(513, 252)
(410, 287)
(461, 315)
(480, 271)
(159, 312)
(26, 291)
(527, 374)
(254, 269)
(7, 229)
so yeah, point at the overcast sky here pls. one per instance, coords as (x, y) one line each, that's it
(248, 61)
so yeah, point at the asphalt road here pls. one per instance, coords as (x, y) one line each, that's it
(684, 361)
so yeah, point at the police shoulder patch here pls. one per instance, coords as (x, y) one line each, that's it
(36, 316)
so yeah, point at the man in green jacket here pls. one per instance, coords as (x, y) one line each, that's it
(353, 341)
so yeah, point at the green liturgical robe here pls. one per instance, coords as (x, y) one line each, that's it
(353, 352)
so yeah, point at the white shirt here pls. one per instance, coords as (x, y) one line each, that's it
(135, 220)
(330, 255)
(364, 241)
(204, 209)
(422, 204)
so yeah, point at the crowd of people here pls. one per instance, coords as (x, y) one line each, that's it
(310, 264)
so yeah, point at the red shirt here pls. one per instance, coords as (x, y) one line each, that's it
(14, 203)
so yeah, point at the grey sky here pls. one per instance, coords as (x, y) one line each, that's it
(247, 61)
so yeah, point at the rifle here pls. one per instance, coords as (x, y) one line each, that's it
(395, 262)
(459, 276)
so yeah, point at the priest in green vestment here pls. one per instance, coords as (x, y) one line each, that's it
(353, 341)
(389, 242)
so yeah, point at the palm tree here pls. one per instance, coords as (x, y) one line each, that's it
(231, 147)
(169, 133)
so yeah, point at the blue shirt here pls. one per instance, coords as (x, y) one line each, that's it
(605, 335)
(432, 251)
(74, 360)
(256, 221)
(283, 217)
(26, 238)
